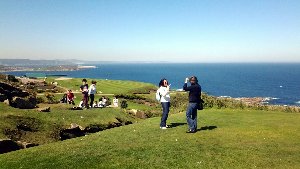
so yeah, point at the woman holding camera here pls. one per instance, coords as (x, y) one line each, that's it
(164, 92)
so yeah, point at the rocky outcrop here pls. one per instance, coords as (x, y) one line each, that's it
(10, 91)
(72, 132)
(8, 145)
(16, 97)
(24, 103)
(44, 109)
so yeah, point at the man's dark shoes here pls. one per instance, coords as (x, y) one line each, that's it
(191, 131)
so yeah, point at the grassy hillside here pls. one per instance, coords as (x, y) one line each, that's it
(107, 86)
(46, 125)
(227, 138)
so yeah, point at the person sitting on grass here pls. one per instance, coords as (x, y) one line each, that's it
(64, 99)
(102, 102)
(70, 97)
(115, 102)
(95, 104)
(81, 104)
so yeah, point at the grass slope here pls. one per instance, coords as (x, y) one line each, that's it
(228, 139)
(107, 86)
(59, 117)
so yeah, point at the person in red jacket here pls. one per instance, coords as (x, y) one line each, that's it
(70, 97)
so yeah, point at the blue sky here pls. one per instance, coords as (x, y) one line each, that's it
(152, 31)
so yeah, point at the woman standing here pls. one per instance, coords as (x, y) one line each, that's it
(92, 92)
(164, 92)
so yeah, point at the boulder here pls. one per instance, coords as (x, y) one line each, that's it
(24, 103)
(6, 102)
(8, 145)
(44, 109)
(26, 145)
(141, 115)
(74, 125)
(72, 132)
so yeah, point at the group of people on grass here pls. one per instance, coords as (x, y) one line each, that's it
(195, 102)
(88, 94)
(162, 94)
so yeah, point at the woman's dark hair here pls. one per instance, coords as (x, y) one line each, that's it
(84, 80)
(94, 82)
(195, 78)
(161, 83)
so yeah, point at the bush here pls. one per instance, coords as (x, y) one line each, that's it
(41, 100)
(51, 99)
(179, 102)
(12, 78)
(143, 90)
(124, 104)
(129, 96)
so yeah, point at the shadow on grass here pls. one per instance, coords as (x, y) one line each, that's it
(173, 125)
(207, 128)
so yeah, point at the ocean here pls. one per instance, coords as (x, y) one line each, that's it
(278, 82)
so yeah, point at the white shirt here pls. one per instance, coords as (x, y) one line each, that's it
(92, 89)
(115, 101)
(165, 94)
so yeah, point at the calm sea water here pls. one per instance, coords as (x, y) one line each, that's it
(281, 82)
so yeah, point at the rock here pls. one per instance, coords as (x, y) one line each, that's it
(2, 97)
(26, 145)
(93, 128)
(6, 101)
(24, 103)
(133, 111)
(8, 145)
(10, 91)
(141, 115)
(44, 109)
(74, 125)
(74, 131)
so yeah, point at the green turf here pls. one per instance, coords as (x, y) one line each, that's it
(107, 86)
(228, 139)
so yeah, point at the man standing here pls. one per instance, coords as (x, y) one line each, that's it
(194, 100)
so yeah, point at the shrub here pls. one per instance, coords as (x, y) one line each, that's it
(129, 96)
(179, 102)
(41, 100)
(124, 104)
(51, 99)
(12, 78)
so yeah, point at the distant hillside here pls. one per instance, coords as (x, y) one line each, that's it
(29, 62)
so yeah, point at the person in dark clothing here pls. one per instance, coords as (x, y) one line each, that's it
(194, 100)
(84, 90)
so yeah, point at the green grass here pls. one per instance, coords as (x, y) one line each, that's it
(107, 86)
(59, 117)
(241, 139)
